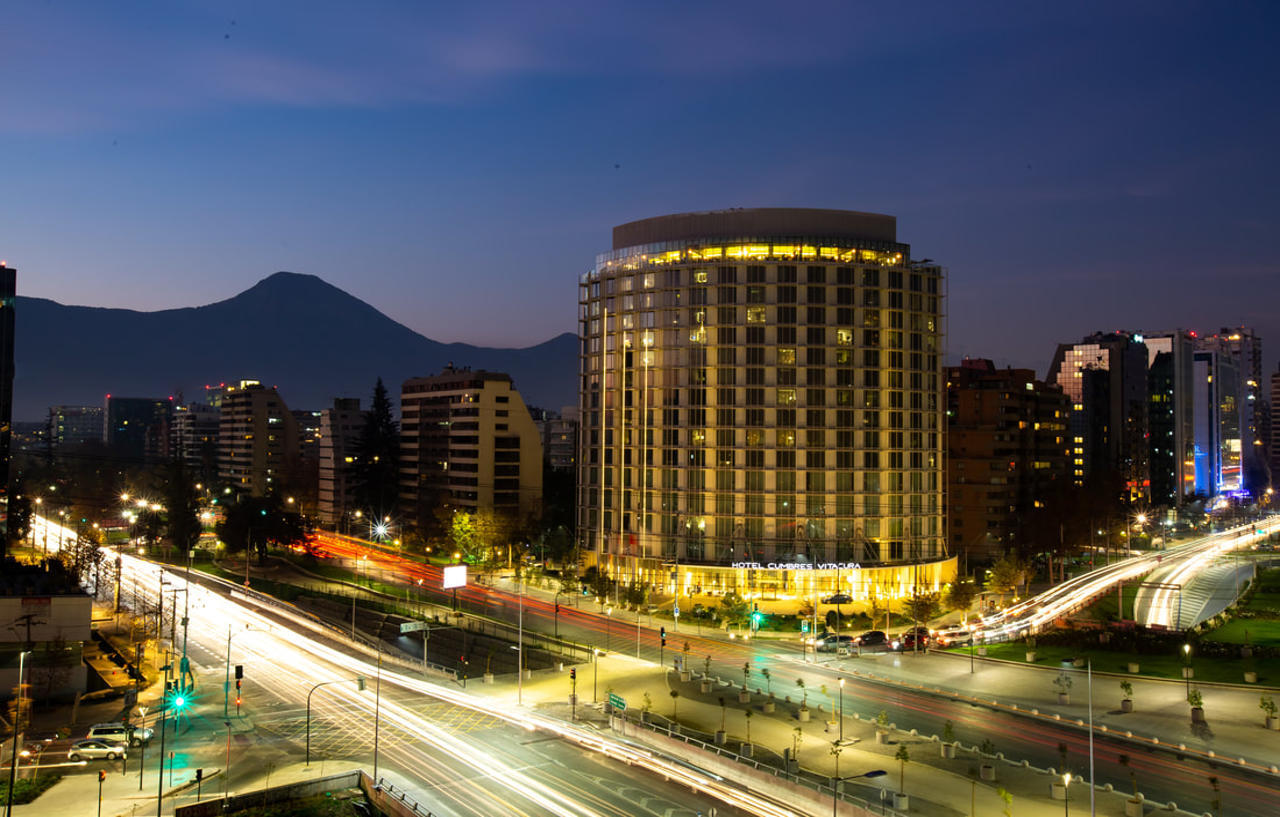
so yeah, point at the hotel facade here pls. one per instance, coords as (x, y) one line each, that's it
(761, 409)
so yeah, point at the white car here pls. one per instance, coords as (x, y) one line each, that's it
(953, 636)
(95, 749)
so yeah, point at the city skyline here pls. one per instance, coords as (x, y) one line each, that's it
(1051, 162)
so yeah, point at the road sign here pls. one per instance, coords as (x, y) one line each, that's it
(413, 627)
(617, 702)
(454, 576)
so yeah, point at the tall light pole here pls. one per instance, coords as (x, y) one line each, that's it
(841, 712)
(13, 761)
(608, 628)
(1186, 668)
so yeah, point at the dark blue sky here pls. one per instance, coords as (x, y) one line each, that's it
(1076, 166)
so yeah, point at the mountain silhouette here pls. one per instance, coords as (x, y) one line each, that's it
(297, 332)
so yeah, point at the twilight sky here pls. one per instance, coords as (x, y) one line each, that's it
(1076, 166)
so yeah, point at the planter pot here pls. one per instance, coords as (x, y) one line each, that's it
(803, 715)
(1188, 672)
(1133, 668)
(559, 666)
(1078, 663)
(1197, 714)
(685, 675)
(1132, 807)
(769, 707)
(1126, 705)
(1273, 722)
(882, 736)
(982, 651)
(1251, 677)
(744, 697)
(720, 737)
(1031, 656)
(901, 801)
(488, 677)
(1057, 790)
(1064, 698)
(706, 685)
(746, 750)
(948, 750)
(987, 771)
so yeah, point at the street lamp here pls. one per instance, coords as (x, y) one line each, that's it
(1186, 669)
(595, 672)
(360, 683)
(1066, 798)
(608, 629)
(841, 711)
(837, 784)
(13, 762)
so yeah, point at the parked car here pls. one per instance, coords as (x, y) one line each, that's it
(95, 749)
(832, 642)
(838, 598)
(871, 639)
(909, 639)
(119, 733)
(953, 637)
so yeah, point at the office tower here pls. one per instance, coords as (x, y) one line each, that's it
(467, 441)
(1275, 427)
(1220, 422)
(8, 296)
(340, 430)
(1171, 415)
(257, 438)
(1245, 404)
(760, 406)
(1105, 376)
(1007, 450)
(137, 428)
(70, 426)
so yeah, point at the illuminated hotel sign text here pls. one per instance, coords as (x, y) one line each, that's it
(798, 566)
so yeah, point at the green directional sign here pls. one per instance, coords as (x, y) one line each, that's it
(617, 702)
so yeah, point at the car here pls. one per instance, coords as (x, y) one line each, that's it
(838, 598)
(119, 733)
(95, 749)
(832, 642)
(953, 637)
(909, 639)
(872, 638)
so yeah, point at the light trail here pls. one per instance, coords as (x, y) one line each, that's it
(303, 660)
(1034, 614)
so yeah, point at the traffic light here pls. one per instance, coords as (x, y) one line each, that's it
(102, 775)
(239, 672)
(237, 686)
(662, 633)
(573, 674)
(557, 608)
(199, 775)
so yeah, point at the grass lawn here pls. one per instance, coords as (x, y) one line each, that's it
(1104, 609)
(323, 805)
(1157, 666)
(25, 791)
(1261, 632)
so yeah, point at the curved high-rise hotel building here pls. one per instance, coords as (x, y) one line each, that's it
(761, 407)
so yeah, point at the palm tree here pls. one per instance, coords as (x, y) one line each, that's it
(675, 706)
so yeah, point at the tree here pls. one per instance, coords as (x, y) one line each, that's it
(961, 594)
(923, 606)
(259, 522)
(377, 472)
(1007, 574)
(675, 706)
(19, 517)
(903, 757)
(182, 509)
(733, 608)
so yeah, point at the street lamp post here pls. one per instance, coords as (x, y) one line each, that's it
(608, 628)
(595, 674)
(13, 761)
(1186, 667)
(837, 783)
(359, 679)
(1066, 794)
(841, 711)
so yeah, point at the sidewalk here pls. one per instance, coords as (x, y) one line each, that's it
(937, 787)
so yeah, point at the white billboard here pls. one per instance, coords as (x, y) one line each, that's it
(455, 576)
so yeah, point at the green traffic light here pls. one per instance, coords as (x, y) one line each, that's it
(179, 701)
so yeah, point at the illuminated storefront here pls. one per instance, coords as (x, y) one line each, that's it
(780, 587)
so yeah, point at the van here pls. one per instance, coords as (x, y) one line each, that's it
(119, 733)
